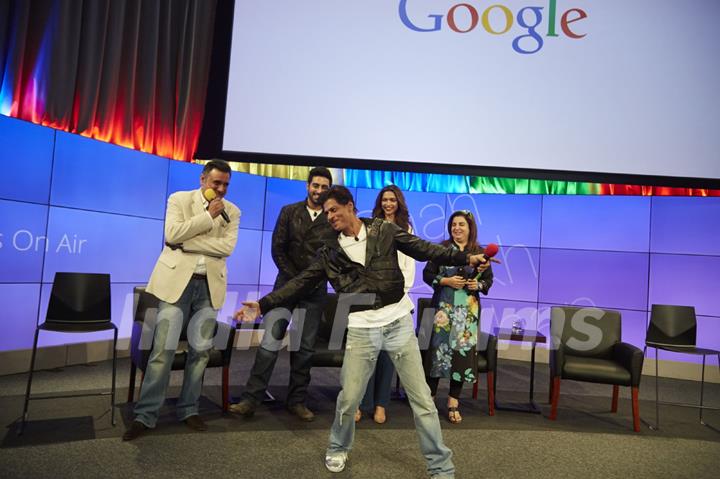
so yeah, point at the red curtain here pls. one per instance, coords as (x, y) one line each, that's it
(130, 72)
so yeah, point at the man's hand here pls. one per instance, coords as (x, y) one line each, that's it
(215, 207)
(481, 262)
(483, 266)
(455, 282)
(249, 312)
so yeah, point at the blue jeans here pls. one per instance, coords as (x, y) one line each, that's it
(379, 385)
(302, 347)
(193, 312)
(361, 352)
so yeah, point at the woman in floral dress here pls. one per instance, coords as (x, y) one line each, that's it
(452, 353)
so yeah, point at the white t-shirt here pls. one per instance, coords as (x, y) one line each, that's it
(371, 318)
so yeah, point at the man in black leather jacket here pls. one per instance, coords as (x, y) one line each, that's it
(300, 230)
(361, 261)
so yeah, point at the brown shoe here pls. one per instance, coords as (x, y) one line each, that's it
(244, 408)
(194, 422)
(135, 430)
(302, 412)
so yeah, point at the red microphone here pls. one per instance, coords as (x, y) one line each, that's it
(491, 250)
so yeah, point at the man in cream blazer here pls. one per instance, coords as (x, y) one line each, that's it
(190, 280)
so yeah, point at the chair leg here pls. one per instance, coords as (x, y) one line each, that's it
(555, 397)
(616, 391)
(702, 390)
(29, 383)
(475, 390)
(550, 391)
(635, 409)
(112, 394)
(657, 394)
(225, 388)
(491, 392)
(131, 386)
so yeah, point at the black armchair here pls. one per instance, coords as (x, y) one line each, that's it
(330, 341)
(145, 307)
(594, 353)
(486, 349)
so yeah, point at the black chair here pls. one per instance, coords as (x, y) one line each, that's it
(329, 346)
(486, 349)
(145, 307)
(79, 303)
(674, 328)
(604, 359)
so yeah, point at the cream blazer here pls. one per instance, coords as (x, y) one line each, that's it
(187, 223)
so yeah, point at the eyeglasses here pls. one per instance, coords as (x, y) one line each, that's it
(467, 213)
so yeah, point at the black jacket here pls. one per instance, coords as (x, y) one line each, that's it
(296, 239)
(380, 274)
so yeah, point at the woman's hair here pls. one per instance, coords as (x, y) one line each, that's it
(472, 244)
(402, 215)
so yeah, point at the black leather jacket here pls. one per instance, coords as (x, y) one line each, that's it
(380, 275)
(296, 239)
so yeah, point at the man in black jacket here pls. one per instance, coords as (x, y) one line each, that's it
(300, 230)
(361, 261)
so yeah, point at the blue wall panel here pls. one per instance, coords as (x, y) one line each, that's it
(22, 241)
(686, 225)
(25, 160)
(609, 223)
(90, 242)
(98, 176)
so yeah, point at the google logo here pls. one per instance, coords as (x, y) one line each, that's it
(529, 18)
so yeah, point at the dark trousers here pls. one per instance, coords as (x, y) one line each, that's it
(300, 357)
(455, 387)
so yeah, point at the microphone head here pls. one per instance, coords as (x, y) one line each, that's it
(491, 250)
(209, 194)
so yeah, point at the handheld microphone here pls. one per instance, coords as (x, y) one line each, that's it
(490, 250)
(211, 195)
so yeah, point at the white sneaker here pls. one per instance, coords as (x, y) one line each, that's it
(336, 462)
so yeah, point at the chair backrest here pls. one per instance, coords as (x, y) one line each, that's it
(424, 322)
(672, 326)
(590, 332)
(79, 298)
(145, 305)
(328, 332)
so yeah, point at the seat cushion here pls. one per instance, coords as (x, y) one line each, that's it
(686, 349)
(594, 370)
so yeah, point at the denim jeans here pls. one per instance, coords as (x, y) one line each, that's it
(302, 347)
(361, 352)
(194, 313)
(379, 385)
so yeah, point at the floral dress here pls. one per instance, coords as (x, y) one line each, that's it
(452, 352)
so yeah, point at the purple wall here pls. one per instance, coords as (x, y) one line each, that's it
(96, 207)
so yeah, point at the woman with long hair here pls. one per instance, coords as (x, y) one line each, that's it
(453, 344)
(390, 205)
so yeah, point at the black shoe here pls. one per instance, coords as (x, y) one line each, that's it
(135, 430)
(245, 408)
(194, 422)
(302, 412)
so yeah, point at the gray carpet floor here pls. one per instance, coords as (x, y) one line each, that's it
(74, 437)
